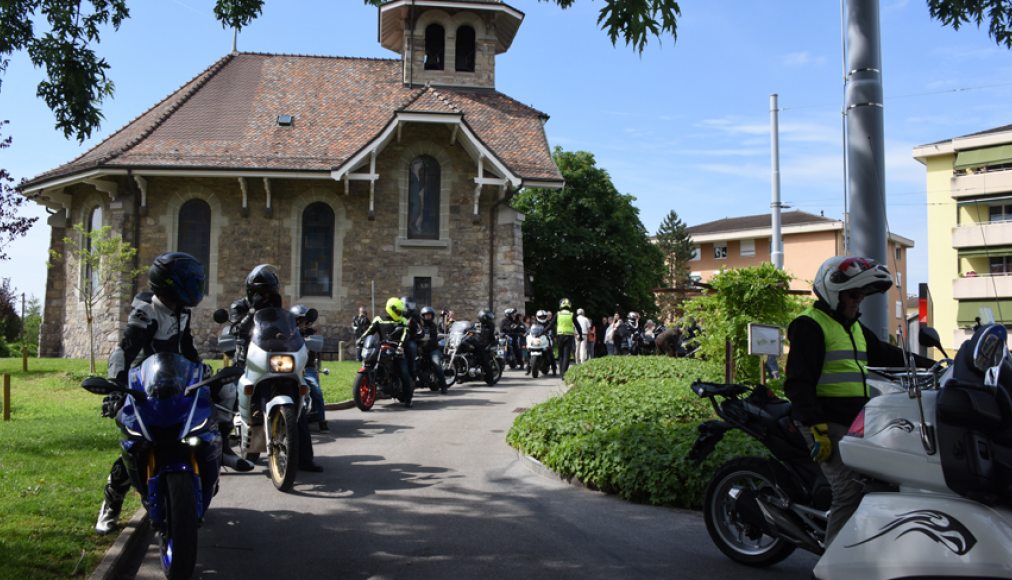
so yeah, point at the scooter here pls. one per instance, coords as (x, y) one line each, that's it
(171, 448)
(948, 451)
(272, 392)
(538, 346)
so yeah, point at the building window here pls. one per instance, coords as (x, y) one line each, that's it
(435, 47)
(91, 225)
(720, 251)
(194, 233)
(696, 254)
(999, 213)
(423, 199)
(898, 252)
(422, 292)
(899, 279)
(465, 49)
(1001, 265)
(748, 248)
(317, 250)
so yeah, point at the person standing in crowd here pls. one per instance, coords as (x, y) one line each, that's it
(358, 326)
(611, 335)
(568, 332)
(583, 344)
(446, 322)
(591, 340)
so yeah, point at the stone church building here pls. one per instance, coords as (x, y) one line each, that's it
(345, 173)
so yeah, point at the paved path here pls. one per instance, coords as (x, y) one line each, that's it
(435, 492)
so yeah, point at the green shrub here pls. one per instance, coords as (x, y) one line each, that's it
(626, 426)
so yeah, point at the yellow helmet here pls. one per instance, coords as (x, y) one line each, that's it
(395, 308)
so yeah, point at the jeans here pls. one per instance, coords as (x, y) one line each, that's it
(567, 342)
(315, 395)
(847, 490)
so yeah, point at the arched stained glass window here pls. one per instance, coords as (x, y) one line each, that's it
(317, 250)
(435, 47)
(423, 199)
(465, 49)
(194, 234)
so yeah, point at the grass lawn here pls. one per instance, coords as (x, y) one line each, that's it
(55, 454)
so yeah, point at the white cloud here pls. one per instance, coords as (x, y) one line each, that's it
(802, 58)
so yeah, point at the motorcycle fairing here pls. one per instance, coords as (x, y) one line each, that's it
(913, 535)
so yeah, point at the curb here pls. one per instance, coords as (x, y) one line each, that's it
(130, 539)
(541, 469)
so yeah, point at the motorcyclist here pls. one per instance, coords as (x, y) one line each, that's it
(826, 370)
(429, 343)
(513, 329)
(311, 371)
(263, 290)
(632, 334)
(568, 333)
(481, 339)
(394, 327)
(158, 322)
(541, 319)
(414, 334)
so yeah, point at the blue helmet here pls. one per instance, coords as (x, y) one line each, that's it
(177, 277)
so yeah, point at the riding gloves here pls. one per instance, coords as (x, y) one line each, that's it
(823, 446)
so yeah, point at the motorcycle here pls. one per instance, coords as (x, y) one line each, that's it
(171, 447)
(462, 354)
(272, 391)
(379, 376)
(935, 453)
(539, 348)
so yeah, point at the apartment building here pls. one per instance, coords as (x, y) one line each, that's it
(969, 201)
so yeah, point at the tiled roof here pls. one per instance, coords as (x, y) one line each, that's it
(752, 222)
(226, 118)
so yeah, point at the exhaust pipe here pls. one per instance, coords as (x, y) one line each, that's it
(788, 527)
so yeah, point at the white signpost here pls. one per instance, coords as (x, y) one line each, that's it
(765, 340)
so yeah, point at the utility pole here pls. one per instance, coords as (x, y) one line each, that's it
(24, 347)
(865, 149)
(776, 240)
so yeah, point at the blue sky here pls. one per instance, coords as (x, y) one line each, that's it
(683, 126)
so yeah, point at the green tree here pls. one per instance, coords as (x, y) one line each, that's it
(674, 241)
(32, 326)
(10, 322)
(735, 298)
(106, 264)
(586, 242)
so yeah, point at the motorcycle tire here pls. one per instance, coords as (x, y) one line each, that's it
(496, 365)
(535, 366)
(178, 542)
(449, 375)
(723, 523)
(364, 392)
(460, 367)
(283, 456)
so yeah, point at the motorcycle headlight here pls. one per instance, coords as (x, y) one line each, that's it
(282, 363)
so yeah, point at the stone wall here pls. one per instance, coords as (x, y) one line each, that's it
(413, 56)
(366, 251)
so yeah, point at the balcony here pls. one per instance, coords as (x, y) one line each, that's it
(989, 234)
(982, 286)
(984, 183)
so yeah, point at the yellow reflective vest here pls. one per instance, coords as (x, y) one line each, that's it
(844, 368)
(564, 323)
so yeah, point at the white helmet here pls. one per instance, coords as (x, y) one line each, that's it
(541, 316)
(841, 273)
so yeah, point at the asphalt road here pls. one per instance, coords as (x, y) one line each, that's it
(435, 492)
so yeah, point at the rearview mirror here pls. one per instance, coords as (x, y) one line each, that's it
(220, 316)
(928, 336)
(101, 386)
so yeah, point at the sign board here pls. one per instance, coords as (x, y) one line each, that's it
(765, 340)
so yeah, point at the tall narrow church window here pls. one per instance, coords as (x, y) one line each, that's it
(91, 225)
(435, 47)
(317, 250)
(194, 233)
(465, 49)
(423, 199)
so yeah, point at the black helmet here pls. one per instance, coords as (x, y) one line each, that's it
(177, 277)
(486, 315)
(262, 285)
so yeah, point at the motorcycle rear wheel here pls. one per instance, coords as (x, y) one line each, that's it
(535, 366)
(364, 392)
(283, 455)
(727, 531)
(178, 543)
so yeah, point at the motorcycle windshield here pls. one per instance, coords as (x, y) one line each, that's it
(537, 330)
(460, 327)
(275, 330)
(164, 377)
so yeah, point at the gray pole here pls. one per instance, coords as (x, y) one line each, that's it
(865, 149)
(843, 123)
(776, 240)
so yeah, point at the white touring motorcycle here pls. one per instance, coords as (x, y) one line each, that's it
(935, 450)
(272, 391)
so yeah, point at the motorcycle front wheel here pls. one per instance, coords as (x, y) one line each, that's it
(449, 374)
(364, 392)
(535, 366)
(460, 368)
(284, 449)
(178, 541)
(738, 539)
(496, 364)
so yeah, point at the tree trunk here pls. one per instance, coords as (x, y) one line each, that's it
(91, 342)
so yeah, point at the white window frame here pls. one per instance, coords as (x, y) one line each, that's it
(697, 254)
(717, 253)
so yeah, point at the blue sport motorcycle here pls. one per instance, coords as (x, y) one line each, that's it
(171, 448)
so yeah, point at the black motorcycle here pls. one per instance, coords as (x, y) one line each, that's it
(759, 509)
(379, 376)
(462, 354)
